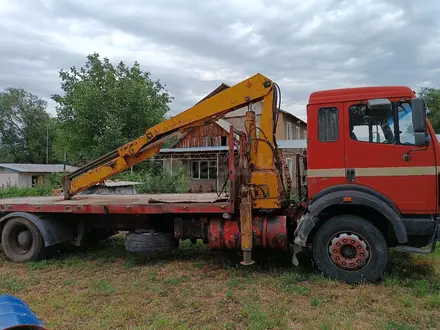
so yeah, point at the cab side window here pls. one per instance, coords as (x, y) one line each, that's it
(328, 124)
(370, 128)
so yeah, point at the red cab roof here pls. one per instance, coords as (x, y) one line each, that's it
(359, 93)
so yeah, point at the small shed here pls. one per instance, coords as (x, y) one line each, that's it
(29, 175)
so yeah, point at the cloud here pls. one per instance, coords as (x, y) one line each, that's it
(193, 46)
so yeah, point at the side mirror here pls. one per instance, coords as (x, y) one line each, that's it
(419, 121)
(379, 108)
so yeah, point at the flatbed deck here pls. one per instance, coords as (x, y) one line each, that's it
(120, 204)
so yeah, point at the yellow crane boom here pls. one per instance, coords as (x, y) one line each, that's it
(261, 145)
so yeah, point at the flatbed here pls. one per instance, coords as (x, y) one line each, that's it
(120, 204)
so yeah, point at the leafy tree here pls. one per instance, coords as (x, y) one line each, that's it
(432, 101)
(23, 126)
(105, 106)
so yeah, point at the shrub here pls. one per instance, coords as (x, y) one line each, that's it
(10, 192)
(156, 183)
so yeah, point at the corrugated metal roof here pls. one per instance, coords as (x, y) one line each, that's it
(110, 183)
(282, 144)
(195, 149)
(38, 168)
(292, 144)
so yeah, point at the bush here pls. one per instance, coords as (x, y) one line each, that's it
(157, 183)
(152, 181)
(10, 192)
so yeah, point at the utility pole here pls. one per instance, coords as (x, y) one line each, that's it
(47, 144)
(65, 159)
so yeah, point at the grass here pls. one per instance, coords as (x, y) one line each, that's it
(194, 288)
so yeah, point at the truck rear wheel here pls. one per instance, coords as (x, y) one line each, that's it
(22, 241)
(351, 249)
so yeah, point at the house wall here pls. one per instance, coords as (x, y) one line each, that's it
(291, 154)
(238, 117)
(8, 179)
(20, 179)
(283, 119)
(204, 136)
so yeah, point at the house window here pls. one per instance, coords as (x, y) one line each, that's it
(298, 131)
(203, 169)
(290, 166)
(195, 170)
(289, 131)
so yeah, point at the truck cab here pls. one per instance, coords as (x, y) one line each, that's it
(372, 155)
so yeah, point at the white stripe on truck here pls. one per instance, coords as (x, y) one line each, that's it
(374, 171)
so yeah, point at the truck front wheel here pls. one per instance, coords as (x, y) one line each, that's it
(351, 249)
(22, 241)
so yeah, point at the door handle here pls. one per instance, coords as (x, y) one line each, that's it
(351, 174)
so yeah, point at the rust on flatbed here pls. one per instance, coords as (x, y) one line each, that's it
(119, 204)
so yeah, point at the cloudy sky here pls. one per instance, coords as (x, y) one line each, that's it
(192, 46)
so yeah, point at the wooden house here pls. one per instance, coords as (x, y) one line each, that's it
(202, 152)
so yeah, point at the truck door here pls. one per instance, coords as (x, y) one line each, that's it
(325, 150)
(380, 154)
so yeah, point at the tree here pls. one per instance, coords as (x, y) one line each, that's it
(432, 101)
(23, 126)
(104, 106)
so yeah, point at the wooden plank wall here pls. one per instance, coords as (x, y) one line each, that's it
(204, 136)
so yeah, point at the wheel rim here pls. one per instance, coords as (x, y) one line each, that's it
(349, 251)
(20, 240)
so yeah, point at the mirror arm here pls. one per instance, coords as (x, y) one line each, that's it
(407, 156)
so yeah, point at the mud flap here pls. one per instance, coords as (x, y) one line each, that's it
(305, 225)
(295, 248)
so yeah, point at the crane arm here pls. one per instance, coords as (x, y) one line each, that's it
(251, 90)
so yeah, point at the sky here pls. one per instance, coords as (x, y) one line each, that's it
(193, 46)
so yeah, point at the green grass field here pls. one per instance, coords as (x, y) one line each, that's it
(194, 288)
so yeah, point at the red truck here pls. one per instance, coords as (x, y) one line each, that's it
(372, 169)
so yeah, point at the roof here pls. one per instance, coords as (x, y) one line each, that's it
(194, 149)
(282, 144)
(110, 183)
(291, 114)
(37, 168)
(219, 89)
(359, 93)
(292, 144)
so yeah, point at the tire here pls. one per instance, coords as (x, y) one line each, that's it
(22, 241)
(150, 242)
(362, 261)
